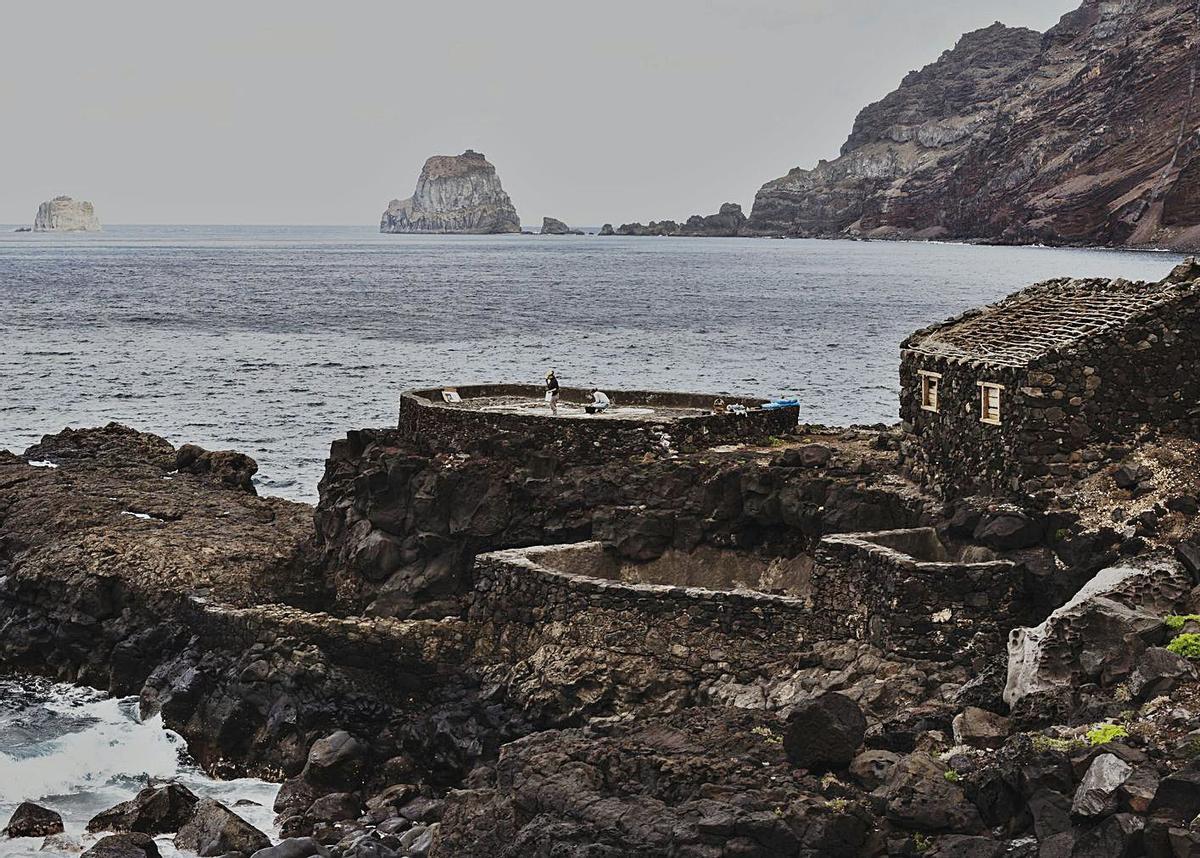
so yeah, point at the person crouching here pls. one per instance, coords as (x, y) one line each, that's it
(600, 402)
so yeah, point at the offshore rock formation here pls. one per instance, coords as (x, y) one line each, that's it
(1082, 135)
(455, 193)
(666, 227)
(63, 214)
(729, 221)
(554, 226)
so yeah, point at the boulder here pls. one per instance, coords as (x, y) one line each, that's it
(227, 467)
(33, 820)
(607, 229)
(1179, 794)
(335, 807)
(420, 845)
(293, 847)
(871, 768)
(1097, 793)
(978, 728)
(127, 845)
(1051, 812)
(918, 796)
(824, 733)
(1118, 836)
(1188, 553)
(335, 761)
(1100, 634)
(214, 829)
(422, 809)
(154, 810)
(1008, 529)
(1157, 672)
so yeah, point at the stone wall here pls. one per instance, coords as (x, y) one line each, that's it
(660, 646)
(571, 647)
(397, 526)
(923, 609)
(424, 417)
(1065, 414)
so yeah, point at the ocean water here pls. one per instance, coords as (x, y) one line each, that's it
(276, 340)
(78, 752)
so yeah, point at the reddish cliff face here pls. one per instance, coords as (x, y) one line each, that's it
(1087, 134)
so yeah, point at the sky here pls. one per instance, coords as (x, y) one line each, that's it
(299, 112)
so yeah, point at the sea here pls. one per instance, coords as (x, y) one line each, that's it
(79, 752)
(276, 340)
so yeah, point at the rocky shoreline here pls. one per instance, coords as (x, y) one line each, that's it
(431, 724)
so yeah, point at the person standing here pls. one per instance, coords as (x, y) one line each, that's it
(552, 391)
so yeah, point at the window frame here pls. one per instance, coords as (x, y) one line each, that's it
(930, 380)
(984, 387)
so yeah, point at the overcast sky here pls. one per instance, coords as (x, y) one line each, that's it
(320, 112)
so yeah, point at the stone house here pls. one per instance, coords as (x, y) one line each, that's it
(1047, 385)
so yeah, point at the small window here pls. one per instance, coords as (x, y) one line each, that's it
(931, 383)
(989, 402)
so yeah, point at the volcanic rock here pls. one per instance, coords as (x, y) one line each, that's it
(154, 810)
(978, 728)
(63, 214)
(1097, 794)
(1098, 635)
(553, 226)
(32, 820)
(227, 467)
(919, 797)
(729, 221)
(666, 227)
(130, 845)
(824, 733)
(987, 142)
(293, 847)
(214, 829)
(455, 193)
(335, 760)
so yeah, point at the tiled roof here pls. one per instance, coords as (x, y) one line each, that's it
(1042, 318)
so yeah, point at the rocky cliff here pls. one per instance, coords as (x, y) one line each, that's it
(455, 193)
(1083, 135)
(63, 214)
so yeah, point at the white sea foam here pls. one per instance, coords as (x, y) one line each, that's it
(78, 752)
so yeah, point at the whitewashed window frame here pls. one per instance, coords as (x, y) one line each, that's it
(930, 381)
(985, 410)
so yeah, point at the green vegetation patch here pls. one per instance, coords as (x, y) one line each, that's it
(1063, 746)
(1175, 622)
(1186, 645)
(1102, 734)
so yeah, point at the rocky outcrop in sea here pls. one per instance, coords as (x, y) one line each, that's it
(729, 221)
(63, 214)
(454, 194)
(554, 226)
(988, 142)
